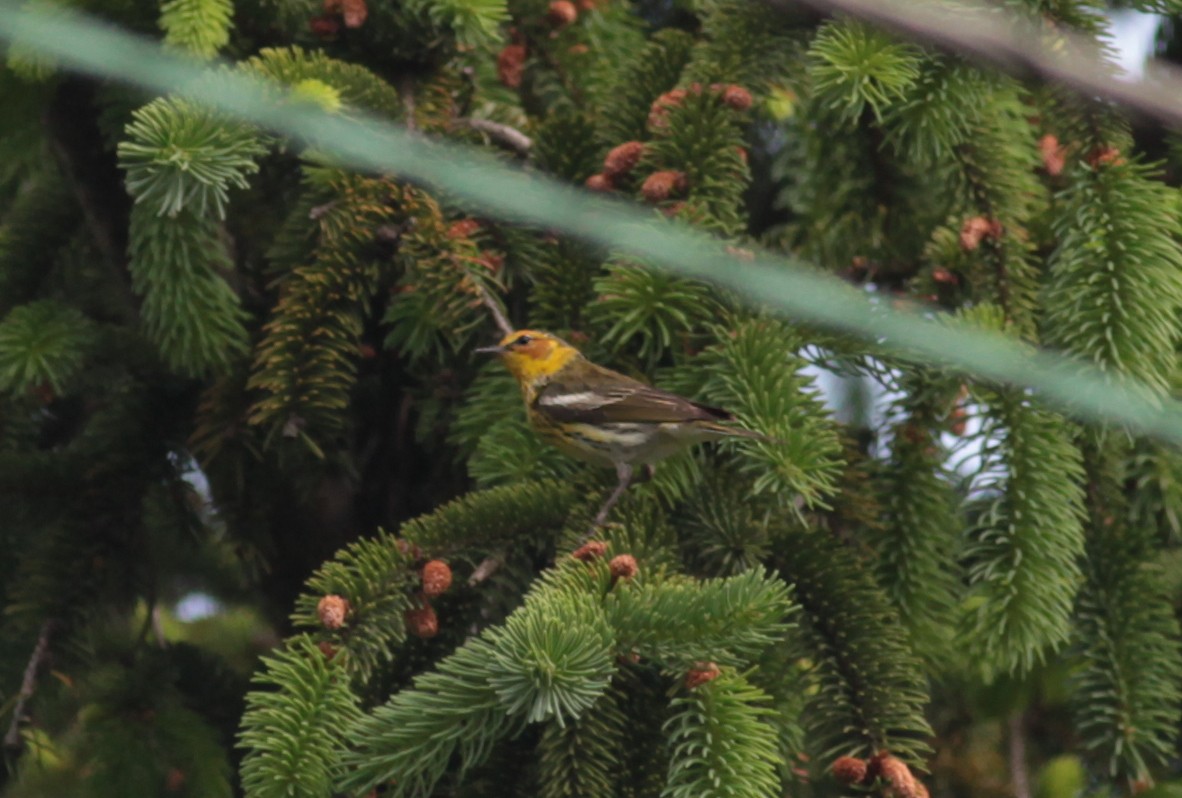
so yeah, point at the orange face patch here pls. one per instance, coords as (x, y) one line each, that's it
(531, 355)
(529, 343)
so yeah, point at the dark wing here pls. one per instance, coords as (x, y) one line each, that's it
(605, 397)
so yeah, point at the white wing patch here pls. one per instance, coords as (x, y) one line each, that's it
(583, 399)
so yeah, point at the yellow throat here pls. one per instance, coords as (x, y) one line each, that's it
(534, 357)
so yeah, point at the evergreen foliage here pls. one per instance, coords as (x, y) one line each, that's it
(1113, 303)
(228, 365)
(305, 364)
(201, 27)
(41, 344)
(753, 372)
(1026, 539)
(915, 543)
(583, 758)
(869, 693)
(704, 755)
(293, 739)
(1121, 726)
(189, 310)
(855, 69)
(185, 156)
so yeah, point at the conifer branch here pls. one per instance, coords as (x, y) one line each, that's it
(550, 660)
(43, 346)
(1023, 554)
(1117, 222)
(357, 86)
(1126, 699)
(664, 621)
(448, 273)
(884, 69)
(95, 183)
(377, 576)
(915, 548)
(754, 373)
(1078, 61)
(744, 44)
(40, 215)
(306, 363)
(199, 27)
(191, 313)
(870, 689)
(649, 309)
(180, 155)
(722, 744)
(471, 22)
(648, 73)
(583, 759)
(909, 170)
(294, 736)
(491, 518)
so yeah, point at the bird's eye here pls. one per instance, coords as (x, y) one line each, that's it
(522, 340)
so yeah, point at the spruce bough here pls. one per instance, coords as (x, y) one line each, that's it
(229, 363)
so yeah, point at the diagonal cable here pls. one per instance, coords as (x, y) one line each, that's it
(782, 284)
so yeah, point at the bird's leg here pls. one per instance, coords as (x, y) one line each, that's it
(624, 473)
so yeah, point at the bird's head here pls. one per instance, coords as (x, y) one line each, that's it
(530, 355)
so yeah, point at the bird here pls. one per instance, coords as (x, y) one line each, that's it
(601, 416)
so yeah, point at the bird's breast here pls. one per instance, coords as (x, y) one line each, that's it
(618, 442)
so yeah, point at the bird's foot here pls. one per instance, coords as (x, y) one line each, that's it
(646, 474)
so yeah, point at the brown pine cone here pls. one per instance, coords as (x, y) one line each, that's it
(623, 566)
(661, 185)
(332, 610)
(701, 673)
(422, 621)
(436, 576)
(622, 158)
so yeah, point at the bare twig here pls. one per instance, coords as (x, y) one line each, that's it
(502, 134)
(28, 685)
(157, 616)
(487, 567)
(406, 92)
(989, 35)
(494, 308)
(1018, 774)
(318, 212)
(94, 179)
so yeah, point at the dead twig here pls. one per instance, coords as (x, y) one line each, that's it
(487, 567)
(12, 739)
(502, 134)
(406, 92)
(1019, 778)
(494, 308)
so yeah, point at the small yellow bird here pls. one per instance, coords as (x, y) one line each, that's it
(602, 416)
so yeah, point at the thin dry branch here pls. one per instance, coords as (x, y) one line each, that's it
(494, 308)
(488, 566)
(12, 739)
(1019, 777)
(502, 134)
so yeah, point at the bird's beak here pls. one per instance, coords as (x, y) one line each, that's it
(490, 350)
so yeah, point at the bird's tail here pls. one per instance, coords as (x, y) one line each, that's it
(730, 431)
